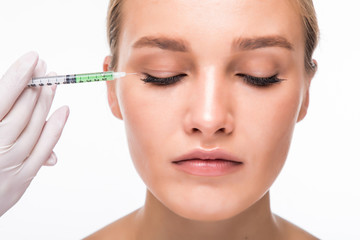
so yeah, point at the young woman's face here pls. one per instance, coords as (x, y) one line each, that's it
(209, 142)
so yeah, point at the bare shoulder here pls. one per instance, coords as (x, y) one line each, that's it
(293, 232)
(122, 228)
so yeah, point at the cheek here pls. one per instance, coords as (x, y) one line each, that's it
(150, 121)
(267, 126)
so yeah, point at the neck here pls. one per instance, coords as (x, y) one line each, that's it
(158, 222)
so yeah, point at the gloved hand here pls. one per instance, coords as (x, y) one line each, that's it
(26, 138)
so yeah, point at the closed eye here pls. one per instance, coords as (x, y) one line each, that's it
(162, 81)
(260, 81)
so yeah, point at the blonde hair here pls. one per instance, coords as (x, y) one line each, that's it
(306, 7)
(311, 29)
(114, 23)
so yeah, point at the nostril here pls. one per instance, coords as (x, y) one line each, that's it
(195, 130)
(221, 130)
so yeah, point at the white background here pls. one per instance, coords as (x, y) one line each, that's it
(94, 182)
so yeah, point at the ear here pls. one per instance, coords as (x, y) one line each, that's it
(111, 91)
(306, 100)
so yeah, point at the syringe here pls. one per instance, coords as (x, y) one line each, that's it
(76, 78)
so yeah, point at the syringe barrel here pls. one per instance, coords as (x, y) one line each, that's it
(73, 78)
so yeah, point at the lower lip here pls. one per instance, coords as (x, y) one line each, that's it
(209, 168)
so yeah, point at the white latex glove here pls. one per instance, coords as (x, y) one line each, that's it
(26, 138)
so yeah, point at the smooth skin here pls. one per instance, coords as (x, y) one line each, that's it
(211, 107)
(26, 137)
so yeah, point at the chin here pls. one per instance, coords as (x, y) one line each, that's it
(210, 211)
(206, 216)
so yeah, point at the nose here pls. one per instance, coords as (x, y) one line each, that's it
(209, 107)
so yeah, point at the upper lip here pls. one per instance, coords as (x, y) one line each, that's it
(208, 154)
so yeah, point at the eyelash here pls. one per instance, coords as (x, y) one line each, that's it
(162, 81)
(260, 81)
(254, 81)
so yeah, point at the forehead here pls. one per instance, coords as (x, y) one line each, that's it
(212, 22)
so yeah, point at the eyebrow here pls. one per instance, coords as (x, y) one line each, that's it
(172, 44)
(245, 44)
(240, 44)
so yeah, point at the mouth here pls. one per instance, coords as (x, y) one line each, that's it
(211, 163)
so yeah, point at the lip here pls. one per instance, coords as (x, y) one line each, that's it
(208, 162)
